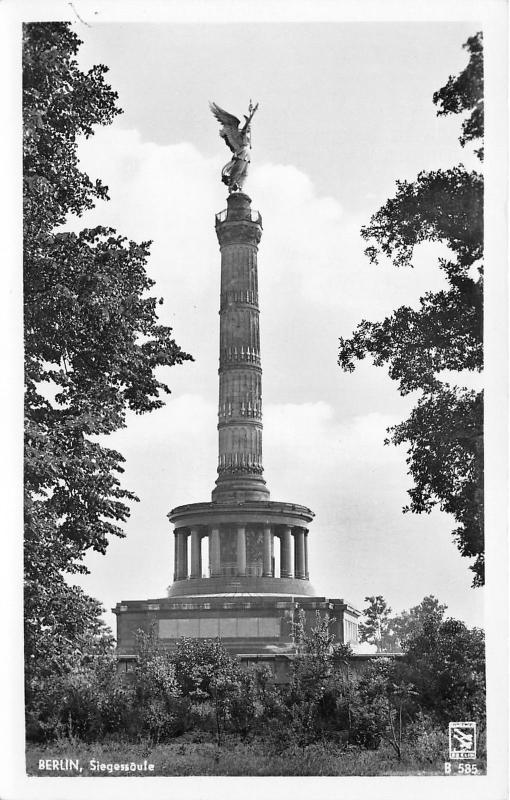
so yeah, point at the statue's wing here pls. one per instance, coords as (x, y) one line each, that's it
(230, 127)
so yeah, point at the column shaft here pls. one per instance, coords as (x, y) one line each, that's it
(267, 567)
(307, 575)
(196, 555)
(182, 555)
(240, 395)
(286, 553)
(241, 550)
(176, 555)
(214, 551)
(299, 553)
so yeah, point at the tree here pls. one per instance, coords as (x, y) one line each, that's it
(158, 705)
(410, 623)
(446, 664)
(464, 92)
(314, 646)
(444, 432)
(73, 640)
(92, 340)
(197, 662)
(316, 700)
(381, 706)
(206, 673)
(376, 626)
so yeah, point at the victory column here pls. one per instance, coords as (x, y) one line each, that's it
(239, 595)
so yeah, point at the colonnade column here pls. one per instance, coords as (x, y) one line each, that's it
(214, 552)
(307, 575)
(181, 554)
(196, 555)
(241, 550)
(267, 566)
(293, 556)
(176, 554)
(299, 553)
(286, 552)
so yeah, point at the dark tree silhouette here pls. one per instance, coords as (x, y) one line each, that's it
(92, 343)
(444, 432)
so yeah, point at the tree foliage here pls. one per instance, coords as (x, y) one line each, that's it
(197, 663)
(446, 664)
(382, 706)
(389, 633)
(444, 432)
(314, 703)
(208, 675)
(64, 636)
(92, 336)
(410, 623)
(156, 705)
(376, 625)
(464, 92)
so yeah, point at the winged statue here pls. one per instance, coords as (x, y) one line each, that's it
(238, 139)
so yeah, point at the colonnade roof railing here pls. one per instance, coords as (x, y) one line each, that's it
(255, 216)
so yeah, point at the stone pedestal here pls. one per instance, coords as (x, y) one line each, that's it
(249, 624)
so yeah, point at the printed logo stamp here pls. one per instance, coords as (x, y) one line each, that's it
(462, 740)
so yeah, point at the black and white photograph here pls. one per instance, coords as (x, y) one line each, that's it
(263, 374)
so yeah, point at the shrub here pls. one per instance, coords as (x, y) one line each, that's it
(427, 742)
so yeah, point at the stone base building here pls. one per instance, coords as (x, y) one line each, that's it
(249, 624)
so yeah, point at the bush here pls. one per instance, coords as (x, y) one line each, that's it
(159, 709)
(87, 702)
(446, 663)
(427, 742)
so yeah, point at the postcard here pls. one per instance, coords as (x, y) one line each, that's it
(265, 470)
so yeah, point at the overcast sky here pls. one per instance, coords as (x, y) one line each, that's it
(345, 110)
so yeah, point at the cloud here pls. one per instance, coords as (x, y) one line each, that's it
(167, 193)
(314, 428)
(161, 193)
(170, 453)
(311, 243)
(308, 450)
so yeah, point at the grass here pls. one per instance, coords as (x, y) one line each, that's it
(183, 756)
